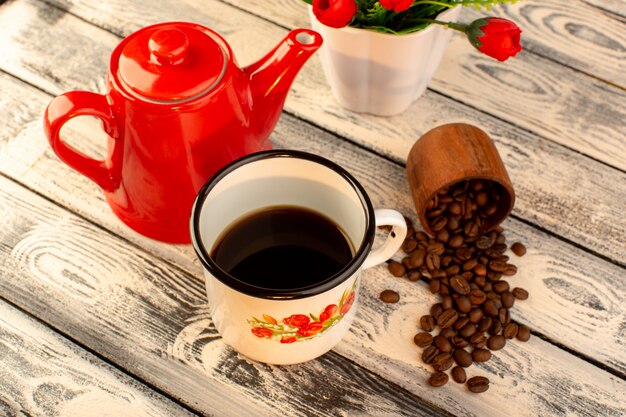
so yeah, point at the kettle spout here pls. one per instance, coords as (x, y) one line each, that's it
(272, 76)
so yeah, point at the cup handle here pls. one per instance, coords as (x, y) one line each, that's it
(78, 103)
(386, 217)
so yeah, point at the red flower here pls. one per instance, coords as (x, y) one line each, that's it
(347, 304)
(396, 5)
(262, 332)
(288, 339)
(297, 320)
(310, 329)
(329, 312)
(334, 13)
(499, 38)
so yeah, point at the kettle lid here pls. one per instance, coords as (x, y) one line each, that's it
(172, 62)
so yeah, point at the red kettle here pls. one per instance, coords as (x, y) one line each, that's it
(177, 109)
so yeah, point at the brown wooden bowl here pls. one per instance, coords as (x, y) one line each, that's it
(451, 153)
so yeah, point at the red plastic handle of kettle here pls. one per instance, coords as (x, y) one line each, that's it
(80, 103)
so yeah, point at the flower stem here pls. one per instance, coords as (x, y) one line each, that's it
(436, 3)
(451, 25)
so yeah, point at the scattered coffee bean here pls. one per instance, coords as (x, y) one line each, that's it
(478, 384)
(518, 249)
(520, 293)
(442, 343)
(429, 354)
(458, 374)
(427, 323)
(443, 362)
(447, 332)
(438, 379)
(510, 330)
(468, 330)
(481, 355)
(463, 304)
(396, 269)
(447, 318)
(463, 357)
(523, 333)
(496, 342)
(476, 315)
(508, 299)
(409, 245)
(423, 339)
(389, 296)
(459, 342)
(478, 340)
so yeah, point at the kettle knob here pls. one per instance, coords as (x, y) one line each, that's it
(168, 46)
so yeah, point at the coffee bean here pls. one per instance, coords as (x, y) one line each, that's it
(396, 269)
(523, 333)
(463, 253)
(417, 257)
(460, 322)
(432, 261)
(460, 285)
(470, 229)
(436, 247)
(436, 310)
(458, 374)
(478, 340)
(508, 299)
(480, 270)
(389, 296)
(406, 262)
(463, 304)
(429, 354)
(478, 384)
(446, 302)
(439, 223)
(501, 286)
(462, 357)
(481, 281)
(421, 236)
(438, 379)
(448, 332)
(447, 318)
(409, 245)
(476, 315)
(496, 327)
(458, 342)
(490, 308)
(494, 276)
(520, 293)
(481, 355)
(468, 330)
(423, 339)
(497, 266)
(518, 248)
(456, 241)
(414, 275)
(510, 331)
(470, 264)
(442, 362)
(455, 207)
(496, 342)
(504, 316)
(434, 285)
(484, 242)
(510, 270)
(427, 323)
(485, 324)
(442, 343)
(443, 235)
(477, 297)
(453, 270)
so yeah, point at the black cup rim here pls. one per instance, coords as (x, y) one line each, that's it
(290, 294)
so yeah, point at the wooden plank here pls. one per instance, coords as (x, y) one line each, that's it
(43, 373)
(617, 7)
(575, 197)
(150, 318)
(555, 102)
(556, 187)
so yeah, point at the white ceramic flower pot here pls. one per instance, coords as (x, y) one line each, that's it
(379, 73)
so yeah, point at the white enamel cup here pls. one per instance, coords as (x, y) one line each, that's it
(299, 324)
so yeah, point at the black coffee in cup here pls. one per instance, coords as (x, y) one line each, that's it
(283, 247)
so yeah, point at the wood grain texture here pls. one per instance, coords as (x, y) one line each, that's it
(149, 318)
(553, 197)
(141, 313)
(43, 374)
(556, 187)
(617, 7)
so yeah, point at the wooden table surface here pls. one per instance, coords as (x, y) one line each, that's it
(98, 320)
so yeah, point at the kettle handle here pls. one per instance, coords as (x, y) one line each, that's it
(81, 103)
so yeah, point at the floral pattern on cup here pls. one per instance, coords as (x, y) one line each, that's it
(301, 327)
